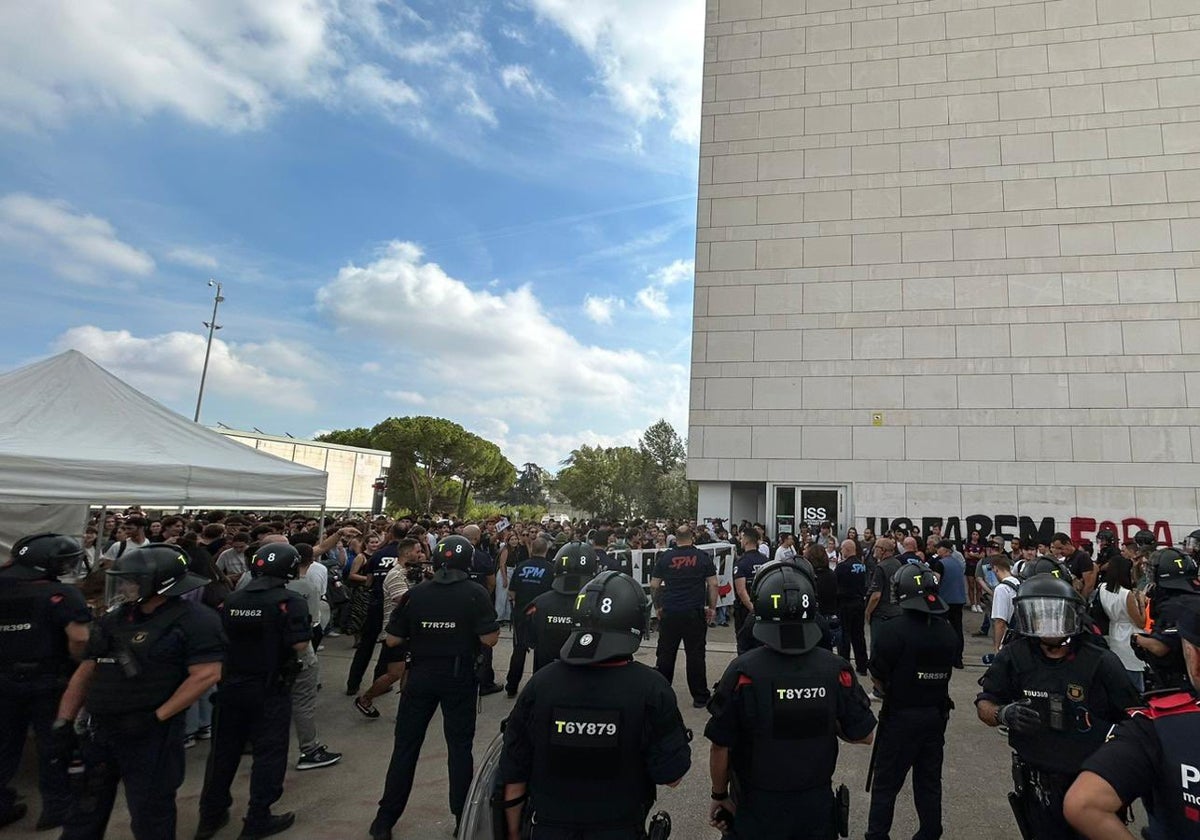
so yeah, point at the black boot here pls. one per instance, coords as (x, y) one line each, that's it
(209, 826)
(13, 813)
(271, 825)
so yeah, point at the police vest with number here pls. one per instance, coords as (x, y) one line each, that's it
(589, 728)
(27, 636)
(789, 715)
(920, 678)
(553, 622)
(1061, 693)
(252, 620)
(135, 670)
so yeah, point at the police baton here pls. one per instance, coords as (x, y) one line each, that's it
(660, 826)
(875, 747)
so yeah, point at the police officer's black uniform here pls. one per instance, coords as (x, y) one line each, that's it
(1155, 756)
(592, 734)
(442, 621)
(779, 710)
(35, 610)
(529, 579)
(1057, 711)
(263, 621)
(140, 659)
(746, 568)
(1175, 583)
(912, 662)
(550, 617)
(484, 566)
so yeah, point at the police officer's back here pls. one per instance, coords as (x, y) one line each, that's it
(912, 664)
(1154, 756)
(148, 659)
(592, 734)
(43, 628)
(1058, 690)
(551, 616)
(445, 621)
(267, 624)
(777, 715)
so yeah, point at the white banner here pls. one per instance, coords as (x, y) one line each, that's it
(723, 557)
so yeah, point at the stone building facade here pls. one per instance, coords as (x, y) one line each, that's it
(948, 264)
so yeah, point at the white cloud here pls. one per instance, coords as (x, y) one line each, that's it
(226, 64)
(167, 366)
(192, 257)
(370, 367)
(649, 54)
(75, 245)
(600, 309)
(371, 85)
(473, 105)
(521, 79)
(654, 298)
(410, 397)
(503, 345)
(548, 449)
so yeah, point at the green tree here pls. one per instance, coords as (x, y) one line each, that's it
(662, 446)
(603, 481)
(531, 486)
(436, 463)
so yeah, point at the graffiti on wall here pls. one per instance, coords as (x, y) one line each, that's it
(1026, 528)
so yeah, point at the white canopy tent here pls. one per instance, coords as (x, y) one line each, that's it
(72, 434)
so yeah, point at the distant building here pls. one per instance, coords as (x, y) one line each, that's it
(352, 471)
(948, 265)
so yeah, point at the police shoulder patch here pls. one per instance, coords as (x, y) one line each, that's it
(845, 678)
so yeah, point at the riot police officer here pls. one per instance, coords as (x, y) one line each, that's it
(551, 616)
(592, 734)
(776, 717)
(1175, 581)
(482, 570)
(149, 658)
(445, 621)
(529, 579)
(744, 570)
(1057, 691)
(43, 630)
(267, 625)
(1192, 544)
(911, 664)
(1154, 756)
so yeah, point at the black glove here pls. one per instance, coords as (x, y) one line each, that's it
(62, 741)
(1021, 717)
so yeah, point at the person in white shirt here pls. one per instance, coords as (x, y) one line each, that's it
(787, 548)
(390, 668)
(1002, 597)
(1120, 604)
(133, 535)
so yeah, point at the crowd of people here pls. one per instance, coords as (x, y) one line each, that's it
(166, 611)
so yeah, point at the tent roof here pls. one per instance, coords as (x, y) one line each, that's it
(71, 432)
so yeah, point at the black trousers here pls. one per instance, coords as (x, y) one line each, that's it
(430, 686)
(516, 662)
(367, 645)
(549, 832)
(484, 672)
(954, 613)
(785, 815)
(852, 613)
(31, 701)
(1044, 809)
(691, 629)
(908, 739)
(247, 714)
(149, 761)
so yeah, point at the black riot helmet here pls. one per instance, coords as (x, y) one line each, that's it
(1048, 607)
(610, 620)
(277, 560)
(158, 569)
(1046, 566)
(1106, 537)
(1172, 569)
(785, 608)
(574, 565)
(1192, 543)
(44, 556)
(453, 552)
(915, 587)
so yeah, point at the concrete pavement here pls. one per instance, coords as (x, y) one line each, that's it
(337, 803)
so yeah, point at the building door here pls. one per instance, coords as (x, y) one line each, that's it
(796, 505)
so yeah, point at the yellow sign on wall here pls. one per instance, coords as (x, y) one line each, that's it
(877, 418)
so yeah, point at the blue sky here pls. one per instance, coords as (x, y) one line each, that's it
(477, 210)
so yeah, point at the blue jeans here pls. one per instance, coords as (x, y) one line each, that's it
(1138, 678)
(199, 714)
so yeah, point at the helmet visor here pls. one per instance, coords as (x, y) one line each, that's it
(121, 589)
(1047, 618)
(1191, 545)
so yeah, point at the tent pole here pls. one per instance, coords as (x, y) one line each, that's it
(321, 526)
(98, 548)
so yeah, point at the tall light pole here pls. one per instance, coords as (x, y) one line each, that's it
(213, 326)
